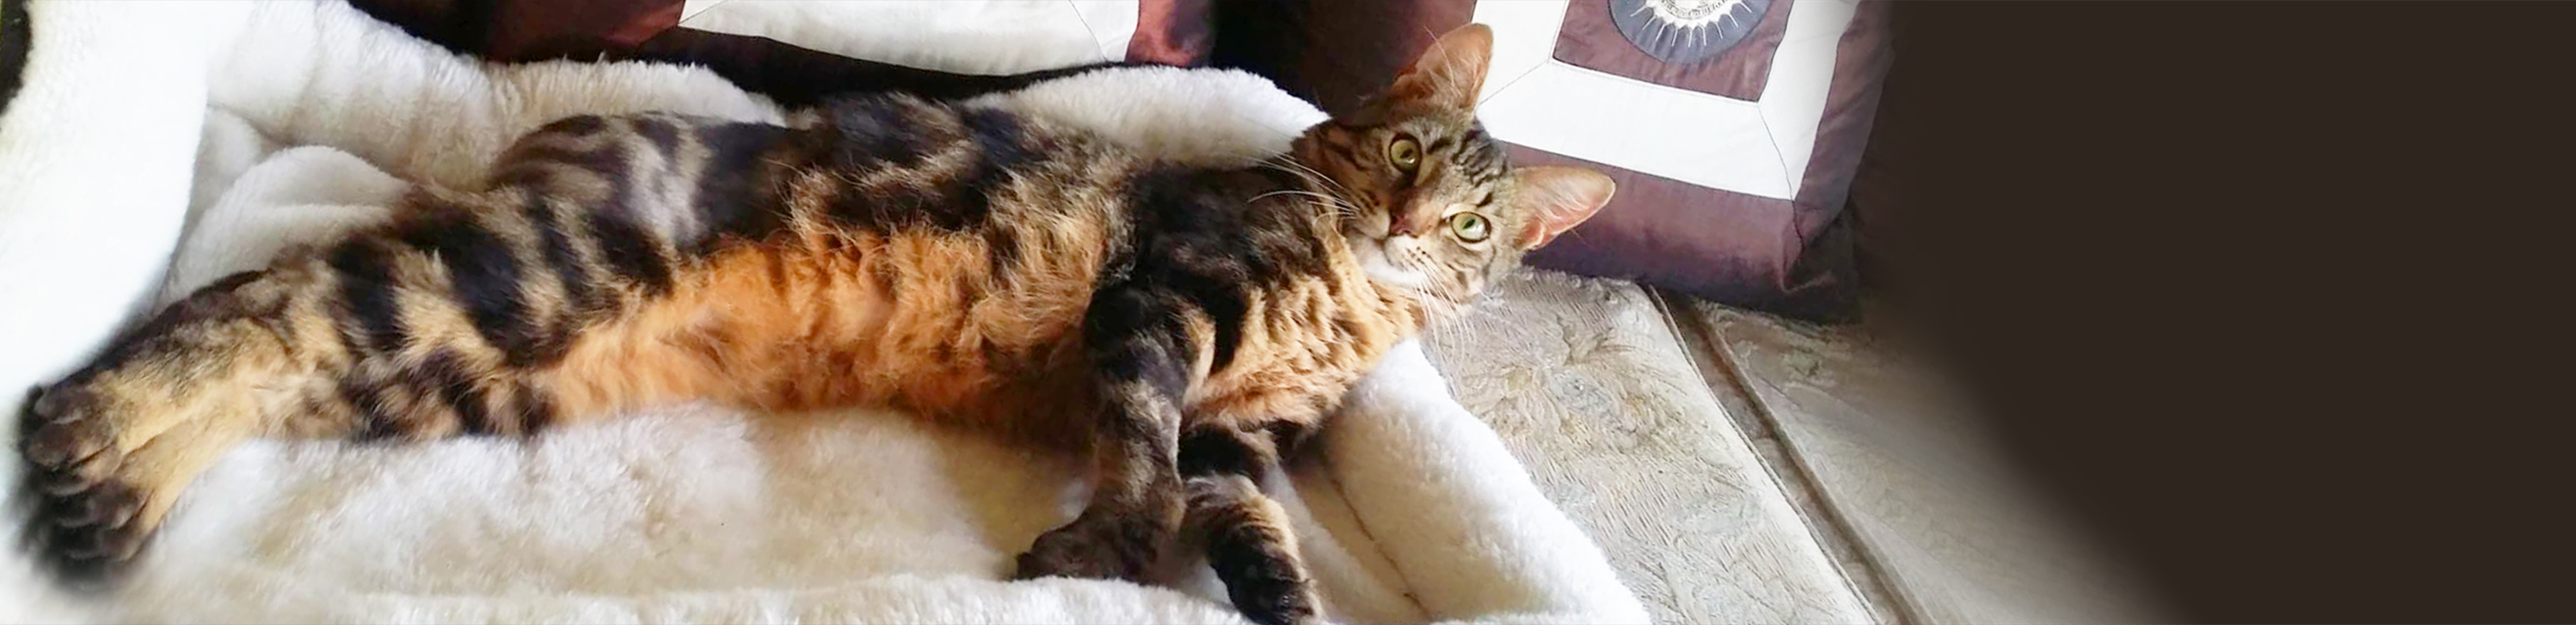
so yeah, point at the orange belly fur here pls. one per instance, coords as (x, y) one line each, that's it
(909, 321)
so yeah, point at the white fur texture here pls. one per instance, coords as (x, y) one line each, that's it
(1411, 510)
(301, 195)
(95, 163)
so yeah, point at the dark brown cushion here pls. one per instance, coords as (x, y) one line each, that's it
(1697, 109)
(529, 31)
(1166, 32)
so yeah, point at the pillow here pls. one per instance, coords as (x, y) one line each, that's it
(1733, 127)
(796, 52)
(529, 31)
(1031, 35)
(1002, 36)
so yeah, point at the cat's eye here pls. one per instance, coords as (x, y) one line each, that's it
(1404, 153)
(1469, 227)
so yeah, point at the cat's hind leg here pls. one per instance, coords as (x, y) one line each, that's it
(112, 446)
(434, 325)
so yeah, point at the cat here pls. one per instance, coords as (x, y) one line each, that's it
(1191, 325)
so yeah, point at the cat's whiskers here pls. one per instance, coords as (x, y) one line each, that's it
(1335, 206)
(1337, 209)
(1434, 303)
(1307, 174)
(1448, 307)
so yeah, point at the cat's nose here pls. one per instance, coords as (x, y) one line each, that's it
(1398, 226)
(1411, 223)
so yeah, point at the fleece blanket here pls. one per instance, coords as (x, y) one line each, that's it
(156, 146)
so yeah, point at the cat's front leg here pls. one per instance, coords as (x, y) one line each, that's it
(1250, 541)
(1139, 350)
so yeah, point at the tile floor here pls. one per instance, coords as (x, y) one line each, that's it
(1741, 468)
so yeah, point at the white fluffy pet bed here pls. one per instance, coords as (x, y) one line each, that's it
(156, 146)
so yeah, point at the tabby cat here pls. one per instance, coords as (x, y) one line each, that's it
(956, 261)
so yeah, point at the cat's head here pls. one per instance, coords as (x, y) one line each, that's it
(1433, 205)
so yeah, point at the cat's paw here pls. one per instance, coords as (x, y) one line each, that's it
(1262, 573)
(1288, 602)
(89, 517)
(70, 441)
(1093, 547)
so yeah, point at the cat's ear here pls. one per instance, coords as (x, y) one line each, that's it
(1558, 198)
(1452, 72)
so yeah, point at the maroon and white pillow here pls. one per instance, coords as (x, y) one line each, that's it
(986, 37)
(802, 50)
(1733, 127)
(999, 36)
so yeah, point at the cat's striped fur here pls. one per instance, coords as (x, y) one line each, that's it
(959, 262)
